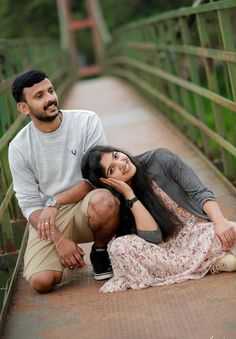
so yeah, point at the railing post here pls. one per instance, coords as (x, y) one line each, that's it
(194, 76)
(213, 85)
(66, 36)
(100, 34)
(15, 57)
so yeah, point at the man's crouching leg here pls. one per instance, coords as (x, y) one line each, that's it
(43, 282)
(103, 213)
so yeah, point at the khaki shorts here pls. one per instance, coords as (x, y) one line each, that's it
(73, 221)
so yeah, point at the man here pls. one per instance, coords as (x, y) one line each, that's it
(45, 158)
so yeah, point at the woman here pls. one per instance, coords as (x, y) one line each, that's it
(161, 198)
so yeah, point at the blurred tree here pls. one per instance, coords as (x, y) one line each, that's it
(39, 18)
(119, 12)
(24, 18)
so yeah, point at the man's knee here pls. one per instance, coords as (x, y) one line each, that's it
(103, 205)
(43, 282)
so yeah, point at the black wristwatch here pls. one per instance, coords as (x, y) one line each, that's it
(51, 202)
(129, 203)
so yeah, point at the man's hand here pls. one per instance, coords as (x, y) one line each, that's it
(70, 254)
(226, 233)
(46, 223)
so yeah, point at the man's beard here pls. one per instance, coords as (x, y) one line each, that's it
(46, 118)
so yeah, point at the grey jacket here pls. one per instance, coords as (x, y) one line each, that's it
(177, 180)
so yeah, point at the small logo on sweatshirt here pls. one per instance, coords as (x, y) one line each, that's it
(73, 151)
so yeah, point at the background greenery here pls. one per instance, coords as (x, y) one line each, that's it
(117, 13)
(39, 18)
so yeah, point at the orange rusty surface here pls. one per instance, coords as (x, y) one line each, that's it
(81, 24)
(201, 309)
(89, 71)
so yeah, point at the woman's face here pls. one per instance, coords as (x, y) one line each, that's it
(117, 165)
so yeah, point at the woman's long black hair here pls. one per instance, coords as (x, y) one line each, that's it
(141, 184)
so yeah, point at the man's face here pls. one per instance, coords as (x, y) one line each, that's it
(41, 101)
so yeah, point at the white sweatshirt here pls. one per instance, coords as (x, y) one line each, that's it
(44, 164)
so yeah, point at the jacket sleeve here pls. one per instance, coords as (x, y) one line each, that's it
(155, 237)
(24, 183)
(184, 177)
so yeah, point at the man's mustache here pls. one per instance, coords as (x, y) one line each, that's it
(54, 102)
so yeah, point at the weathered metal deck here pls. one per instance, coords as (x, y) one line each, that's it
(201, 309)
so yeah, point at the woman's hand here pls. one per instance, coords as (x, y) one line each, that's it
(226, 233)
(223, 227)
(144, 221)
(120, 186)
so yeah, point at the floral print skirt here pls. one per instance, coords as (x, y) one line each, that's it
(138, 264)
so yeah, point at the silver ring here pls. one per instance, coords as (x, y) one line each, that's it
(46, 223)
(71, 268)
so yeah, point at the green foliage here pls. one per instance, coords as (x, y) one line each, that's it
(24, 18)
(119, 12)
(39, 18)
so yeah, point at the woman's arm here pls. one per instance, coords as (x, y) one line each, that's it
(224, 229)
(184, 176)
(144, 221)
(193, 186)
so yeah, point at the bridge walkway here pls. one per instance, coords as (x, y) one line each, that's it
(200, 309)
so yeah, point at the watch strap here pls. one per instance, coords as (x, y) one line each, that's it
(129, 203)
(51, 202)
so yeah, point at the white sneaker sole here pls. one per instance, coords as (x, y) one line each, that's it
(103, 276)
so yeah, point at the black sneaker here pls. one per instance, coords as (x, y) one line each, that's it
(100, 260)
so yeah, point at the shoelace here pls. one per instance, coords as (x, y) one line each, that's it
(218, 267)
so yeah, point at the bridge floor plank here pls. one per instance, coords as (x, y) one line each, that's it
(204, 308)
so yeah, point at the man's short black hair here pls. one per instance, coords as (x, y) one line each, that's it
(27, 79)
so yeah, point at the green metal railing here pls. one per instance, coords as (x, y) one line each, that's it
(15, 57)
(184, 61)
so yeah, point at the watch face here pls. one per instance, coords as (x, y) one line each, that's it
(129, 203)
(51, 202)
